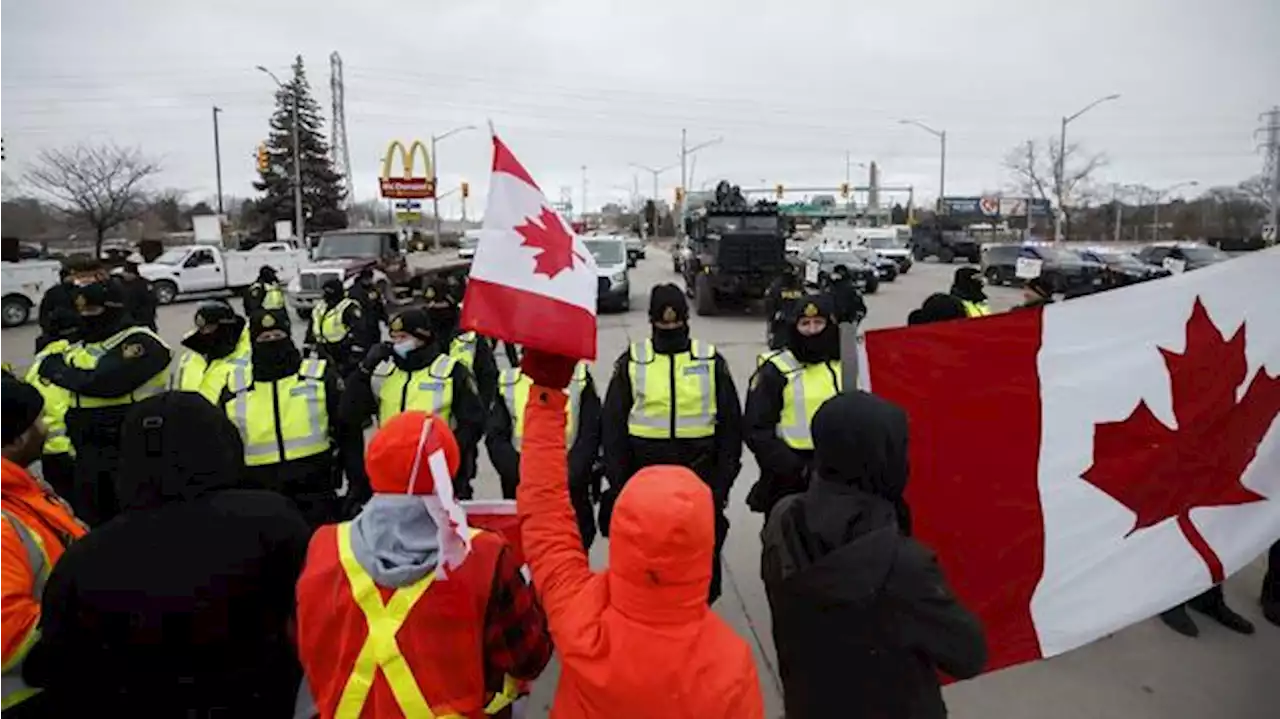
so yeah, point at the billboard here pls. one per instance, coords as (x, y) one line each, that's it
(407, 186)
(993, 207)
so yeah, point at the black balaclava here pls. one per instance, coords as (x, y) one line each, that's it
(227, 327)
(822, 347)
(968, 285)
(277, 358)
(937, 307)
(22, 407)
(267, 273)
(177, 447)
(107, 295)
(332, 291)
(417, 323)
(441, 308)
(860, 441)
(667, 303)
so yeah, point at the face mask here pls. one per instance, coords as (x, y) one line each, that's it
(667, 341)
(404, 347)
(442, 319)
(821, 347)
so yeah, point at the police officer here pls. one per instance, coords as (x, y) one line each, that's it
(785, 289)
(215, 348)
(285, 409)
(364, 291)
(57, 462)
(330, 332)
(58, 299)
(785, 392)
(442, 302)
(673, 401)
(1035, 293)
(412, 373)
(505, 435)
(265, 293)
(116, 364)
(849, 305)
(139, 296)
(967, 287)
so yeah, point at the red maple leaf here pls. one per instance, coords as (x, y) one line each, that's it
(555, 243)
(1159, 472)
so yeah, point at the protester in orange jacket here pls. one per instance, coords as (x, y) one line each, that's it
(37, 528)
(636, 640)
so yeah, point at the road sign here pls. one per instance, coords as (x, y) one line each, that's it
(1269, 234)
(989, 205)
(408, 216)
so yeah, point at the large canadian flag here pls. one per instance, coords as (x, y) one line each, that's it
(1084, 466)
(532, 282)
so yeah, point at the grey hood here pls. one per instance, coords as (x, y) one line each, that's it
(394, 539)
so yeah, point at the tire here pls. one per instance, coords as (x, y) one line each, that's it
(166, 292)
(704, 297)
(946, 255)
(15, 311)
(993, 276)
(918, 254)
(626, 303)
(873, 285)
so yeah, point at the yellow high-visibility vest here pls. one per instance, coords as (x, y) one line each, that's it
(975, 309)
(463, 349)
(808, 386)
(13, 688)
(300, 403)
(514, 386)
(56, 401)
(272, 296)
(429, 389)
(380, 653)
(655, 414)
(327, 324)
(194, 373)
(87, 356)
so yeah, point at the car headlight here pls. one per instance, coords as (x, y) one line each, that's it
(618, 278)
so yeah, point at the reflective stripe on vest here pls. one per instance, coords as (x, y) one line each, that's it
(808, 386)
(196, 374)
(13, 689)
(300, 403)
(380, 651)
(514, 387)
(56, 401)
(463, 349)
(327, 324)
(427, 390)
(975, 309)
(691, 375)
(87, 356)
(272, 297)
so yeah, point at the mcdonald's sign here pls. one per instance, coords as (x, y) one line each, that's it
(406, 186)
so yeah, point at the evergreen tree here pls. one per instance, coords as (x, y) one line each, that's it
(322, 190)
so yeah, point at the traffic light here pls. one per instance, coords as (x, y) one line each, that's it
(777, 189)
(466, 190)
(264, 161)
(844, 190)
(679, 195)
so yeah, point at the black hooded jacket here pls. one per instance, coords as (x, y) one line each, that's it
(862, 616)
(184, 601)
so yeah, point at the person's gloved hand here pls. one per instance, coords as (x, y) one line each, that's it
(375, 356)
(547, 369)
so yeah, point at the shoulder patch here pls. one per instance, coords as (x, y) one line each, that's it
(133, 350)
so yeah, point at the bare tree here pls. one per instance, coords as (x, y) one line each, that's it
(100, 186)
(1033, 173)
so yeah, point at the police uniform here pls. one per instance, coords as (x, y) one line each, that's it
(330, 330)
(424, 380)
(672, 401)
(264, 296)
(784, 291)
(217, 347)
(504, 438)
(115, 366)
(967, 287)
(57, 461)
(785, 393)
(285, 408)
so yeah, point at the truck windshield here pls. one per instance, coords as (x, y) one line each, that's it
(749, 223)
(885, 243)
(170, 257)
(349, 245)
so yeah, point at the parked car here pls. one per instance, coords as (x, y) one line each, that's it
(865, 276)
(635, 249)
(24, 286)
(613, 275)
(1123, 268)
(188, 269)
(891, 247)
(467, 244)
(886, 268)
(946, 245)
(1191, 255)
(1063, 271)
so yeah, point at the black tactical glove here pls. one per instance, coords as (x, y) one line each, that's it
(375, 356)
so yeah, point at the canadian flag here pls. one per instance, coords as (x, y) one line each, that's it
(1085, 466)
(533, 282)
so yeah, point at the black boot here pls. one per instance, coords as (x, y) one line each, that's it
(1212, 604)
(1179, 621)
(1272, 612)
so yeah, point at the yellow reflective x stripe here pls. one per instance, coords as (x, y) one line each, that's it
(510, 692)
(380, 650)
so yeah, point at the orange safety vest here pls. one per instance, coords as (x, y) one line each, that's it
(415, 651)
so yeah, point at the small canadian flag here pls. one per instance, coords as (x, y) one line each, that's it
(1086, 465)
(533, 282)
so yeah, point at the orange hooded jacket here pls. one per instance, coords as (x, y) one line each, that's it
(636, 640)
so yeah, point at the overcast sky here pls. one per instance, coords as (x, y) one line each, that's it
(790, 86)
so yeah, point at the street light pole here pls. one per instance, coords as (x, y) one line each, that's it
(299, 228)
(1060, 170)
(435, 182)
(685, 152)
(942, 162)
(1155, 207)
(217, 156)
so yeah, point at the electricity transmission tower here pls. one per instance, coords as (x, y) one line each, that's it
(338, 132)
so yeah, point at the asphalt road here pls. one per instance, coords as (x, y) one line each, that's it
(1143, 672)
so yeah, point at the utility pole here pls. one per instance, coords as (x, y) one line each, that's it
(1115, 200)
(217, 156)
(685, 152)
(1271, 168)
(435, 182)
(299, 230)
(583, 213)
(1060, 170)
(942, 162)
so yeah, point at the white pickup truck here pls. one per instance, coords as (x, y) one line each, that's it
(191, 269)
(23, 285)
